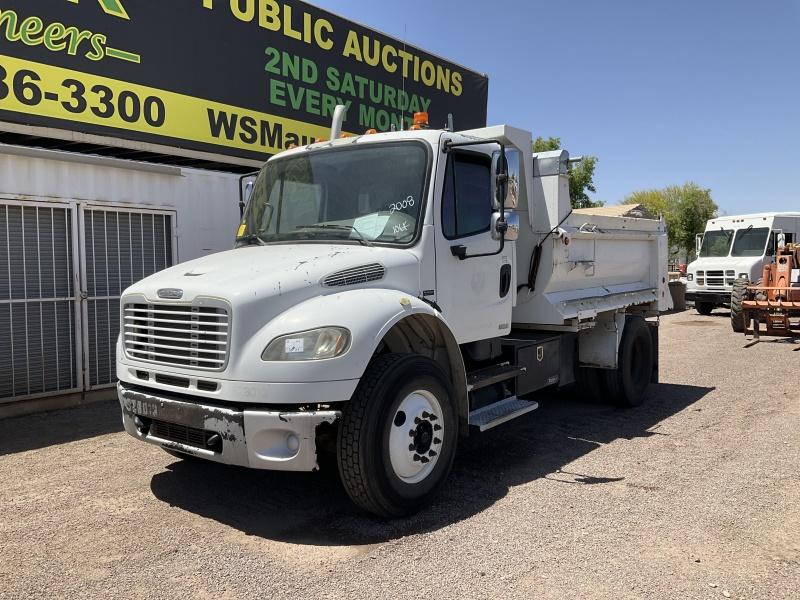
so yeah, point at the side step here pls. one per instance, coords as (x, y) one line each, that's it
(490, 375)
(510, 408)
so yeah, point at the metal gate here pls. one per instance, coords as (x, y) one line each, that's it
(39, 343)
(63, 268)
(120, 246)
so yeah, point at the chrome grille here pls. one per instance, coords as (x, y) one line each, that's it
(355, 275)
(715, 278)
(180, 335)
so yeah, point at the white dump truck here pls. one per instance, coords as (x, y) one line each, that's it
(387, 294)
(731, 254)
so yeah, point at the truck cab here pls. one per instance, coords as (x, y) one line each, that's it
(387, 294)
(734, 248)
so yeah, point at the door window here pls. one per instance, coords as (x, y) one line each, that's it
(467, 195)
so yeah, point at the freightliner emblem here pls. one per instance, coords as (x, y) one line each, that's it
(170, 293)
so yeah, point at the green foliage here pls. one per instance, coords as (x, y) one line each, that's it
(685, 208)
(581, 175)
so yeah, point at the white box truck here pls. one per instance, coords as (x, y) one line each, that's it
(389, 293)
(731, 253)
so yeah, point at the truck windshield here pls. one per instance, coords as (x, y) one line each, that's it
(750, 241)
(367, 193)
(716, 242)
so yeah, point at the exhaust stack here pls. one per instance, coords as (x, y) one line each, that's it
(338, 118)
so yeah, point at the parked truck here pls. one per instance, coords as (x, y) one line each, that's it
(389, 293)
(731, 254)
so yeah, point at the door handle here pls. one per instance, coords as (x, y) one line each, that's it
(505, 279)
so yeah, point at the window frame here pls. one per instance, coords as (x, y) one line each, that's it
(476, 157)
(426, 189)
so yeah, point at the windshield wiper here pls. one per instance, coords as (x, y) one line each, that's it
(361, 239)
(252, 238)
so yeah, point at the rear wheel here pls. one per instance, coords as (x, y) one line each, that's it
(627, 384)
(737, 297)
(397, 436)
(704, 308)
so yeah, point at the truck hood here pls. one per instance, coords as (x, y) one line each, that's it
(751, 265)
(282, 272)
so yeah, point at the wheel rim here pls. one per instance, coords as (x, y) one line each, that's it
(416, 435)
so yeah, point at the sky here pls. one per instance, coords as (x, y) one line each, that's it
(662, 92)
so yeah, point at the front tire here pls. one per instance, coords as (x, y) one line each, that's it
(704, 308)
(397, 435)
(738, 295)
(627, 384)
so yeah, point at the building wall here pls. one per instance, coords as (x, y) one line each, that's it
(59, 300)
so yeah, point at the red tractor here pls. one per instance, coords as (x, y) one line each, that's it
(774, 301)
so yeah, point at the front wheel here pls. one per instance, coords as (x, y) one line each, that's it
(397, 436)
(704, 308)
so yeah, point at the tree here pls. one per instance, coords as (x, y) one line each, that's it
(581, 174)
(685, 208)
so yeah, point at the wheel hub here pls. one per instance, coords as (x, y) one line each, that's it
(416, 435)
(422, 437)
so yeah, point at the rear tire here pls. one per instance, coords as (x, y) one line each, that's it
(738, 294)
(591, 385)
(627, 384)
(704, 308)
(397, 435)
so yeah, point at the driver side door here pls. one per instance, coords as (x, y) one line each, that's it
(475, 294)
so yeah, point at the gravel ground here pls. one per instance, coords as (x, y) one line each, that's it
(694, 495)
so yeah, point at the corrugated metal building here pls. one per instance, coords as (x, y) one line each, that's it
(75, 230)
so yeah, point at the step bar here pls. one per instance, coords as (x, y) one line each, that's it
(492, 415)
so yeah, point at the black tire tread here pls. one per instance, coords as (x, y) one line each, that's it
(614, 384)
(737, 297)
(703, 308)
(350, 426)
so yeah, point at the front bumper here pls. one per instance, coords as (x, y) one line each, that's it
(718, 297)
(260, 439)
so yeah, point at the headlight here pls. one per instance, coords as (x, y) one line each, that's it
(315, 344)
(742, 275)
(690, 277)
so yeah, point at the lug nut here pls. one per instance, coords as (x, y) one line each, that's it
(417, 420)
(424, 459)
(410, 433)
(411, 447)
(432, 453)
(433, 417)
(417, 457)
(437, 441)
(425, 414)
(437, 427)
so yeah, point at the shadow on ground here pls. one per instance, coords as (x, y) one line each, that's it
(314, 509)
(19, 434)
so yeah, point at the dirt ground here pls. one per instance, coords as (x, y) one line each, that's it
(694, 495)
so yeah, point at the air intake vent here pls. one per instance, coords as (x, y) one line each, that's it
(354, 276)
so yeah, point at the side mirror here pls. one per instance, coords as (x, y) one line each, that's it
(507, 228)
(698, 243)
(500, 179)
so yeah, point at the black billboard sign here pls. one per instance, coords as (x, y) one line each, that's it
(238, 77)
